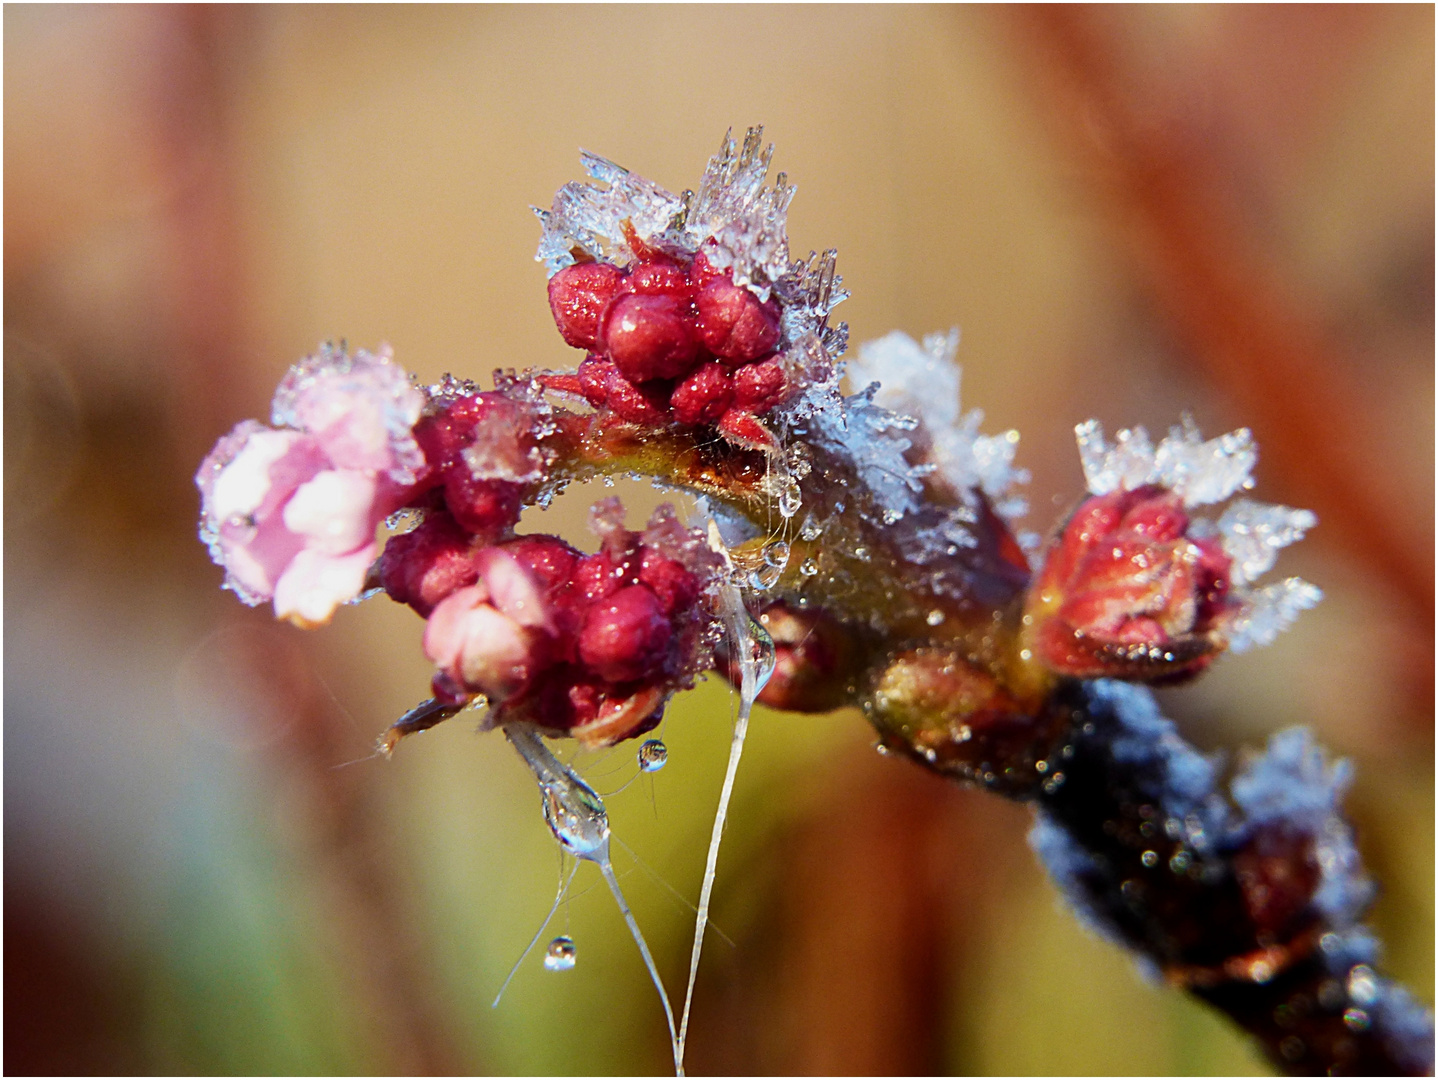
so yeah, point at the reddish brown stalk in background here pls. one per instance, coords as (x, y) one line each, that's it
(1244, 324)
(381, 945)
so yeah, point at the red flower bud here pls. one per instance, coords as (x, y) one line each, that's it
(625, 636)
(578, 295)
(649, 337)
(596, 375)
(733, 324)
(420, 568)
(659, 279)
(702, 272)
(745, 429)
(759, 387)
(672, 583)
(549, 559)
(1125, 592)
(703, 396)
(487, 508)
(647, 403)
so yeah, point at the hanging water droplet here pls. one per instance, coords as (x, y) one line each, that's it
(762, 649)
(935, 618)
(653, 755)
(808, 568)
(560, 955)
(766, 577)
(790, 498)
(573, 811)
(861, 553)
(811, 529)
(891, 516)
(776, 553)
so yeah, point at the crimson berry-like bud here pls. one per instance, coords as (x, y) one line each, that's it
(649, 337)
(704, 395)
(743, 428)
(547, 558)
(1127, 593)
(487, 508)
(421, 567)
(625, 635)
(759, 387)
(659, 279)
(644, 404)
(597, 576)
(673, 584)
(733, 324)
(596, 375)
(702, 271)
(578, 295)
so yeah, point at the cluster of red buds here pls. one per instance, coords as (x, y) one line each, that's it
(870, 536)
(671, 340)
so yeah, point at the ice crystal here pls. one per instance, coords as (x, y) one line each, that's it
(1070, 865)
(1175, 775)
(856, 429)
(744, 219)
(1293, 785)
(1201, 472)
(590, 219)
(331, 392)
(923, 382)
(1253, 534)
(1268, 611)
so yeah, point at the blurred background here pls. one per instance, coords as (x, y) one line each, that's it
(1129, 211)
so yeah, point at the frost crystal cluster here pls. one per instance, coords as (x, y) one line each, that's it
(848, 550)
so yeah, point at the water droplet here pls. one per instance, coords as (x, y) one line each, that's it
(765, 578)
(965, 733)
(573, 811)
(609, 481)
(811, 529)
(861, 553)
(808, 568)
(653, 755)
(790, 498)
(560, 954)
(891, 516)
(765, 657)
(402, 520)
(1053, 783)
(1179, 863)
(1041, 766)
(776, 553)
(935, 618)
(1150, 858)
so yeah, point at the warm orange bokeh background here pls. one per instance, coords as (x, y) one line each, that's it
(1129, 211)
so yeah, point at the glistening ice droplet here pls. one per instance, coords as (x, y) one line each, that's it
(653, 755)
(560, 955)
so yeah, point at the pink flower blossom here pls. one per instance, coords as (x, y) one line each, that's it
(291, 512)
(490, 637)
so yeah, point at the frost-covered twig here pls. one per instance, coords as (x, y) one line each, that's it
(869, 534)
